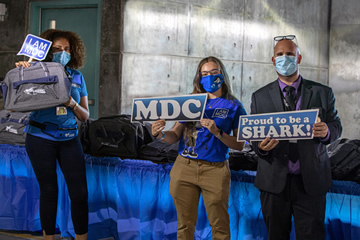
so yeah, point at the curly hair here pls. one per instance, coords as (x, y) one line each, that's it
(198, 88)
(77, 47)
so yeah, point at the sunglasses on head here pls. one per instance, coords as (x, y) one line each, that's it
(287, 37)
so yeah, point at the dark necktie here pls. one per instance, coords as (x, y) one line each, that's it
(290, 98)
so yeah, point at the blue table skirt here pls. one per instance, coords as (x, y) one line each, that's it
(129, 199)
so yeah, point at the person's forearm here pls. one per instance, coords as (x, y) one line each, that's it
(81, 113)
(230, 141)
(168, 136)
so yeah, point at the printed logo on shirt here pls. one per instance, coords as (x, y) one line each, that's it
(220, 113)
(69, 134)
(75, 85)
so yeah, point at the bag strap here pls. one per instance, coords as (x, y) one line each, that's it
(37, 124)
(42, 126)
(44, 67)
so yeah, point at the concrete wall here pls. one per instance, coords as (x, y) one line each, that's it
(12, 35)
(344, 64)
(165, 40)
(152, 47)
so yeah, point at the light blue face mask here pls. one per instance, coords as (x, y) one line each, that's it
(286, 65)
(61, 57)
(212, 83)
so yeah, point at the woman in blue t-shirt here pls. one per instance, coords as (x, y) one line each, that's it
(202, 165)
(52, 136)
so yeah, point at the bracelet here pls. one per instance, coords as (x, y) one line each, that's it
(163, 135)
(76, 105)
(221, 134)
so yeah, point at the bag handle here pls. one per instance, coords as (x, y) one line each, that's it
(44, 67)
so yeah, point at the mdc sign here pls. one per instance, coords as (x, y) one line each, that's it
(177, 108)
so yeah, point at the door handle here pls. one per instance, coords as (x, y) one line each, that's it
(91, 102)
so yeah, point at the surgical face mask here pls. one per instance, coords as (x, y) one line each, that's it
(286, 65)
(61, 57)
(212, 83)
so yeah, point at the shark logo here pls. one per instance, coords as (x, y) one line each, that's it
(69, 134)
(34, 91)
(11, 129)
(217, 81)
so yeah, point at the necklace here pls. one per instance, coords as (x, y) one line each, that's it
(210, 106)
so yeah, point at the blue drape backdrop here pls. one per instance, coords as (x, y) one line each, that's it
(129, 200)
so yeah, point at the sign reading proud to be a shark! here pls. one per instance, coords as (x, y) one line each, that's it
(35, 47)
(176, 108)
(293, 125)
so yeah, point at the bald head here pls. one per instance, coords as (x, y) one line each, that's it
(284, 46)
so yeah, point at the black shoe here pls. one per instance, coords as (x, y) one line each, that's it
(193, 154)
(185, 153)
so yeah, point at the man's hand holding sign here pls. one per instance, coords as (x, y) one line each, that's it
(320, 129)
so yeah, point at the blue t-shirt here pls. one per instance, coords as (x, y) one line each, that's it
(78, 90)
(226, 114)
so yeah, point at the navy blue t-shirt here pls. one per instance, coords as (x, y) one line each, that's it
(226, 114)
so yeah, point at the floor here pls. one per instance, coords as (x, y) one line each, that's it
(15, 235)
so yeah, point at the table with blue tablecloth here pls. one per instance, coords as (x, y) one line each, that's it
(129, 199)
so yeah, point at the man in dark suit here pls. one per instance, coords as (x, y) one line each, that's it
(294, 176)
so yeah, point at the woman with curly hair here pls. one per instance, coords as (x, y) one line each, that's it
(202, 165)
(45, 148)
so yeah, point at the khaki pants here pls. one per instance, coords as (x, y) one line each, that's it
(189, 178)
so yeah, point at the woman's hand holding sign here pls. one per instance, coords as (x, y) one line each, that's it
(210, 124)
(157, 127)
(25, 64)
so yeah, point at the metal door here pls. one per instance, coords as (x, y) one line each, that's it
(84, 21)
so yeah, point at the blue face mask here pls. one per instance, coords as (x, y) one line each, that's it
(286, 65)
(61, 57)
(212, 83)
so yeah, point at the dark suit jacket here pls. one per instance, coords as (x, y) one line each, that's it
(315, 166)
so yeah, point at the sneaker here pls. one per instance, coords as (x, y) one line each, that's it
(185, 153)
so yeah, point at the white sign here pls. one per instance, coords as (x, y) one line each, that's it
(177, 108)
(282, 126)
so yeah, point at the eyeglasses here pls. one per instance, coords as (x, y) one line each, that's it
(211, 72)
(287, 37)
(59, 49)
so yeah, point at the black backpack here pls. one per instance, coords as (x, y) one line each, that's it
(345, 159)
(114, 136)
(159, 151)
(246, 159)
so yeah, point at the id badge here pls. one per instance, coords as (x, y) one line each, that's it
(61, 111)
